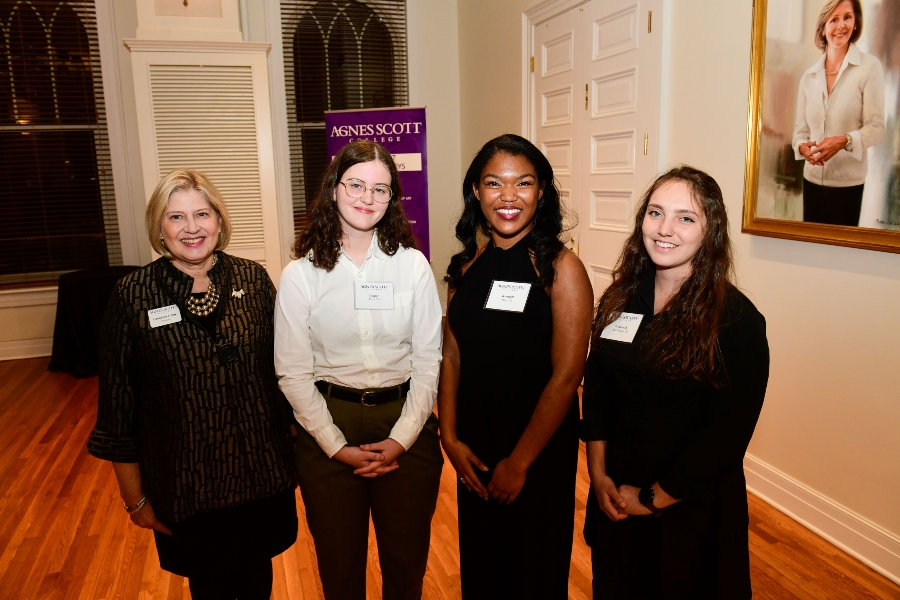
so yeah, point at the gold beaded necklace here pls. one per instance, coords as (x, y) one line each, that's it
(205, 305)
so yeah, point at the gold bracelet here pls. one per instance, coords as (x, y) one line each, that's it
(137, 506)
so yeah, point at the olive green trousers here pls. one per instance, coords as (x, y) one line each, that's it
(401, 503)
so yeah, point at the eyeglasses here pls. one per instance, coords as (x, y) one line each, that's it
(356, 188)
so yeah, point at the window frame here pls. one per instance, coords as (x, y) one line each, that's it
(278, 96)
(42, 293)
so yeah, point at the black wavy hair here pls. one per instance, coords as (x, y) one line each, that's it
(543, 239)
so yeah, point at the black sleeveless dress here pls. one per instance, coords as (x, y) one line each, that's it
(521, 550)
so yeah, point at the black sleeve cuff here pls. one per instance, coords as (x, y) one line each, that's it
(107, 446)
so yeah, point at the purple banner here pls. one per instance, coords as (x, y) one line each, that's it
(402, 132)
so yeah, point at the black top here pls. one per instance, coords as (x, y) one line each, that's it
(523, 549)
(201, 414)
(505, 357)
(687, 435)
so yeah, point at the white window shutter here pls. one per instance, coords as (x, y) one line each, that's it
(205, 105)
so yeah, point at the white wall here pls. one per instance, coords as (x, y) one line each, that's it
(827, 444)
(490, 71)
(437, 51)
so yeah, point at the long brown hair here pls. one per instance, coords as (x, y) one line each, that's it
(681, 339)
(322, 234)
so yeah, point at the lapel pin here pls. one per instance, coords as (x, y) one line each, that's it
(237, 293)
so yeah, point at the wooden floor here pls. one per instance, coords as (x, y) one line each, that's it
(63, 533)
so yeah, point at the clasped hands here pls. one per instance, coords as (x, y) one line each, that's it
(618, 502)
(818, 153)
(505, 484)
(372, 460)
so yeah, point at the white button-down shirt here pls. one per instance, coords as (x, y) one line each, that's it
(319, 335)
(855, 108)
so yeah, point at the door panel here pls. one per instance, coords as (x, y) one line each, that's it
(623, 71)
(595, 97)
(558, 100)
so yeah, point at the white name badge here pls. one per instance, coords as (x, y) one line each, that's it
(510, 296)
(164, 316)
(623, 328)
(373, 295)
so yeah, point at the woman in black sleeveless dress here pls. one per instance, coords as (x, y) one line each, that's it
(514, 349)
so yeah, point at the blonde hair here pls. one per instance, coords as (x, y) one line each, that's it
(821, 42)
(183, 180)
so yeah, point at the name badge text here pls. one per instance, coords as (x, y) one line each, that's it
(373, 295)
(164, 316)
(509, 296)
(622, 329)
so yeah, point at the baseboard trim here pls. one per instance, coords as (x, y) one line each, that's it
(852, 533)
(16, 349)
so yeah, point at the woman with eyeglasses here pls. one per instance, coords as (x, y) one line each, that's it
(358, 351)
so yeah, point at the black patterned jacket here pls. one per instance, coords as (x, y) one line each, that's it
(202, 415)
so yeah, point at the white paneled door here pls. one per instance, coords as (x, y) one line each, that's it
(595, 115)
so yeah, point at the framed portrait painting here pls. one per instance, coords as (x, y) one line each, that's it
(823, 143)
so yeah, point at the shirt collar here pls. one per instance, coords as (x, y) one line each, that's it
(854, 57)
(375, 248)
(374, 251)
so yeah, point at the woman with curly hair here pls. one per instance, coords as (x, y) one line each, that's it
(358, 351)
(672, 392)
(518, 321)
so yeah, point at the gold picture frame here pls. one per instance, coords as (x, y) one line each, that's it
(768, 190)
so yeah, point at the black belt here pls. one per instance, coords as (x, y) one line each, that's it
(372, 397)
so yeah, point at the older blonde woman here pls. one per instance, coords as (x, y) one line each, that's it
(189, 408)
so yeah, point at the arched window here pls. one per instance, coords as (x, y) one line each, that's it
(338, 55)
(56, 192)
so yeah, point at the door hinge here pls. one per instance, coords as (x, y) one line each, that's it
(532, 64)
(585, 96)
(646, 143)
(649, 21)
